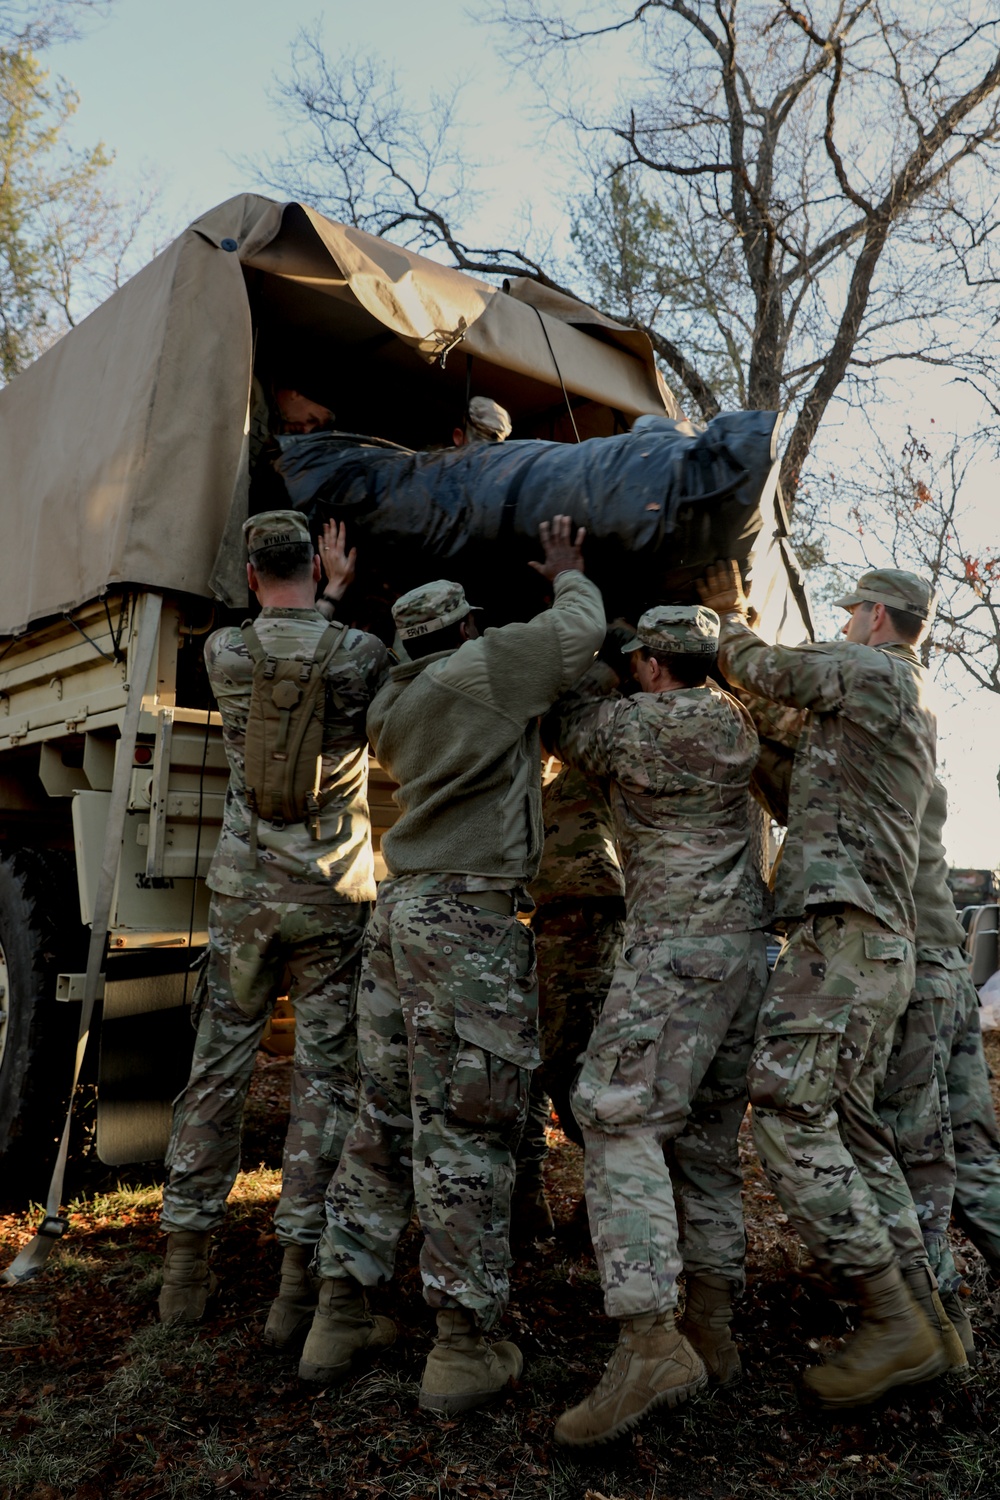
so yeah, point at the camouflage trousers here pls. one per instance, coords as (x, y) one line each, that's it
(256, 950)
(578, 944)
(447, 1036)
(939, 1106)
(824, 1036)
(661, 1097)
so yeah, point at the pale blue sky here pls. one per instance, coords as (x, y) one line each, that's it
(180, 92)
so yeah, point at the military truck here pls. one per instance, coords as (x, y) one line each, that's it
(128, 449)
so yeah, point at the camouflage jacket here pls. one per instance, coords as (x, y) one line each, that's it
(679, 765)
(779, 729)
(579, 860)
(937, 920)
(291, 865)
(861, 774)
(458, 731)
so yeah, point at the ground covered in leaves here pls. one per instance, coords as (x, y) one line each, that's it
(98, 1400)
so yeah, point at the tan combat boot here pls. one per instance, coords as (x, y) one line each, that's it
(342, 1328)
(708, 1312)
(961, 1322)
(292, 1310)
(895, 1345)
(530, 1215)
(923, 1288)
(462, 1369)
(653, 1365)
(187, 1281)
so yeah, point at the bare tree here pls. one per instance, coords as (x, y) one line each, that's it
(820, 172)
(919, 507)
(66, 233)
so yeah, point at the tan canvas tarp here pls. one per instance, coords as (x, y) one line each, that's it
(122, 449)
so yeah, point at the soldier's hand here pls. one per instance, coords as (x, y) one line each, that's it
(563, 552)
(338, 563)
(721, 588)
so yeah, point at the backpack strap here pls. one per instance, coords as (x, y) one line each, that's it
(327, 647)
(252, 642)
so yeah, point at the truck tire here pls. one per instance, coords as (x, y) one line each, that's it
(40, 936)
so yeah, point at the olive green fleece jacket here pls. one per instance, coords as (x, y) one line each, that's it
(459, 732)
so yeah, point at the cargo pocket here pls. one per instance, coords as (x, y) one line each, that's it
(488, 1086)
(699, 964)
(624, 1258)
(794, 1065)
(496, 1024)
(616, 1083)
(885, 947)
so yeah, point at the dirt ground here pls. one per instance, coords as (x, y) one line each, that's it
(98, 1400)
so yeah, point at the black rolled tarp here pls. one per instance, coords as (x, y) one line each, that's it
(658, 503)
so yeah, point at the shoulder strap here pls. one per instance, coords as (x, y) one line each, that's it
(252, 641)
(328, 645)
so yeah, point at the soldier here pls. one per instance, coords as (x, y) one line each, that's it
(286, 900)
(860, 780)
(486, 421)
(578, 922)
(447, 1010)
(936, 1097)
(666, 1064)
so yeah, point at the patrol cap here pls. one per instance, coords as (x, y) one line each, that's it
(276, 528)
(682, 629)
(432, 606)
(894, 587)
(489, 419)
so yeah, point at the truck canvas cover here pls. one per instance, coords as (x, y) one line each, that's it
(124, 446)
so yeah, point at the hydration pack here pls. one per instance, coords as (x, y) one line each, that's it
(284, 741)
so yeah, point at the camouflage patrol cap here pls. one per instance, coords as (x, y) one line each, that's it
(276, 528)
(683, 629)
(489, 419)
(894, 587)
(432, 606)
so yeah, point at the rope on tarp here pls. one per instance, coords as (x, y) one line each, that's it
(562, 382)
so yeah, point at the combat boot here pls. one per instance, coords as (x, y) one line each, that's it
(292, 1310)
(530, 1215)
(187, 1281)
(923, 1288)
(895, 1345)
(960, 1321)
(708, 1312)
(342, 1328)
(653, 1365)
(462, 1369)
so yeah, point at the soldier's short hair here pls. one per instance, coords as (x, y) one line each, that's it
(685, 667)
(909, 627)
(286, 563)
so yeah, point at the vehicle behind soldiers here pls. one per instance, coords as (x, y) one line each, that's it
(263, 323)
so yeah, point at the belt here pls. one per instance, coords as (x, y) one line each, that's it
(504, 902)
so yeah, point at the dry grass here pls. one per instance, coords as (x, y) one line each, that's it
(98, 1400)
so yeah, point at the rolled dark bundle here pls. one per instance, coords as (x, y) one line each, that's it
(658, 503)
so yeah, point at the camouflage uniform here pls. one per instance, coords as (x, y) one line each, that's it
(858, 786)
(298, 910)
(937, 1098)
(578, 922)
(447, 1009)
(666, 1064)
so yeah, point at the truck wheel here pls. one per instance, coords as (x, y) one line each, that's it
(40, 936)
